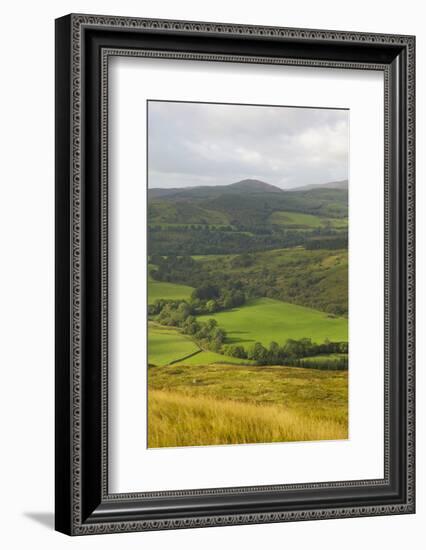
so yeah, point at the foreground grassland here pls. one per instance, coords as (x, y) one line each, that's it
(228, 404)
(265, 320)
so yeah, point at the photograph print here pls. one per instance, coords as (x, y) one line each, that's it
(247, 273)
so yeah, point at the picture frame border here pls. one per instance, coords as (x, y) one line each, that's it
(84, 43)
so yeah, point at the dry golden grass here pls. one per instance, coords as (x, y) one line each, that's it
(177, 419)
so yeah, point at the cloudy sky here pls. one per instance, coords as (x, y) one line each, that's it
(207, 144)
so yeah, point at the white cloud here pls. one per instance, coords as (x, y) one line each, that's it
(212, 144)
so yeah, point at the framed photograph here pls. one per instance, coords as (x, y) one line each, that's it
(234, 274)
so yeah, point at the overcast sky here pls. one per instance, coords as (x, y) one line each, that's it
(205, 144)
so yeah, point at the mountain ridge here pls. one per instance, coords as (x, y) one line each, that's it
(339, 184)
(250, 185)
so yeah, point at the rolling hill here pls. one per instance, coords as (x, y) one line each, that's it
(247, 201)
(269, 266)
(246, 185)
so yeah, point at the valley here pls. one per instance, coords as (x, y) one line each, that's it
(248, 314)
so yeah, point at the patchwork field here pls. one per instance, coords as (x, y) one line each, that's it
(265, 320)
(224, 404)
(269, 264)
(168, 345)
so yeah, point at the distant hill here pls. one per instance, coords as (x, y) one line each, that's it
(209, 191)
(245, 203)
(253, 186)
(158, 192)
(244, 186)
(342, 184)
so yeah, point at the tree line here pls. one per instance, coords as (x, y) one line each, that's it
(204, 240)
(322, 363)
(301, 280)
(209, 335)
(335, 243)
(291, 352)
(175, 313)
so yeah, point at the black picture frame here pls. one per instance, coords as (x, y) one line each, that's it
(83, 504)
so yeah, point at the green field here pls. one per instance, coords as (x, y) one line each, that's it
(158, 290)
(296, 219)
(265, 320)
(167, 344)
(224, 404)
(310, 221)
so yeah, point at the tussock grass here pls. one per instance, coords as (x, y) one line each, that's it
(291, 387)
(177, 419)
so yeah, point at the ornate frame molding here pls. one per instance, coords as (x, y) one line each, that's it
(73, 517)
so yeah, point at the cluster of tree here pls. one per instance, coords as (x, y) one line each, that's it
(194, 227)
(179, 266)
(207, 334)
(204, 300)
(243, 260)
(298, 277)
(322, 363)
(209, 298)
(287, 354)
(197, 239)
(205, 240)
(256, 228)
(177, 313)
(171, 313)
(210, 295)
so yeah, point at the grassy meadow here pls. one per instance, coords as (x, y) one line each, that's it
(266, 320)
(309, 221)
(159, 290)
(166, 345)
(296, 219)
(223, 404)
(167, 291)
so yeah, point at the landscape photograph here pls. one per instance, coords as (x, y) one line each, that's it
(247, 224)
